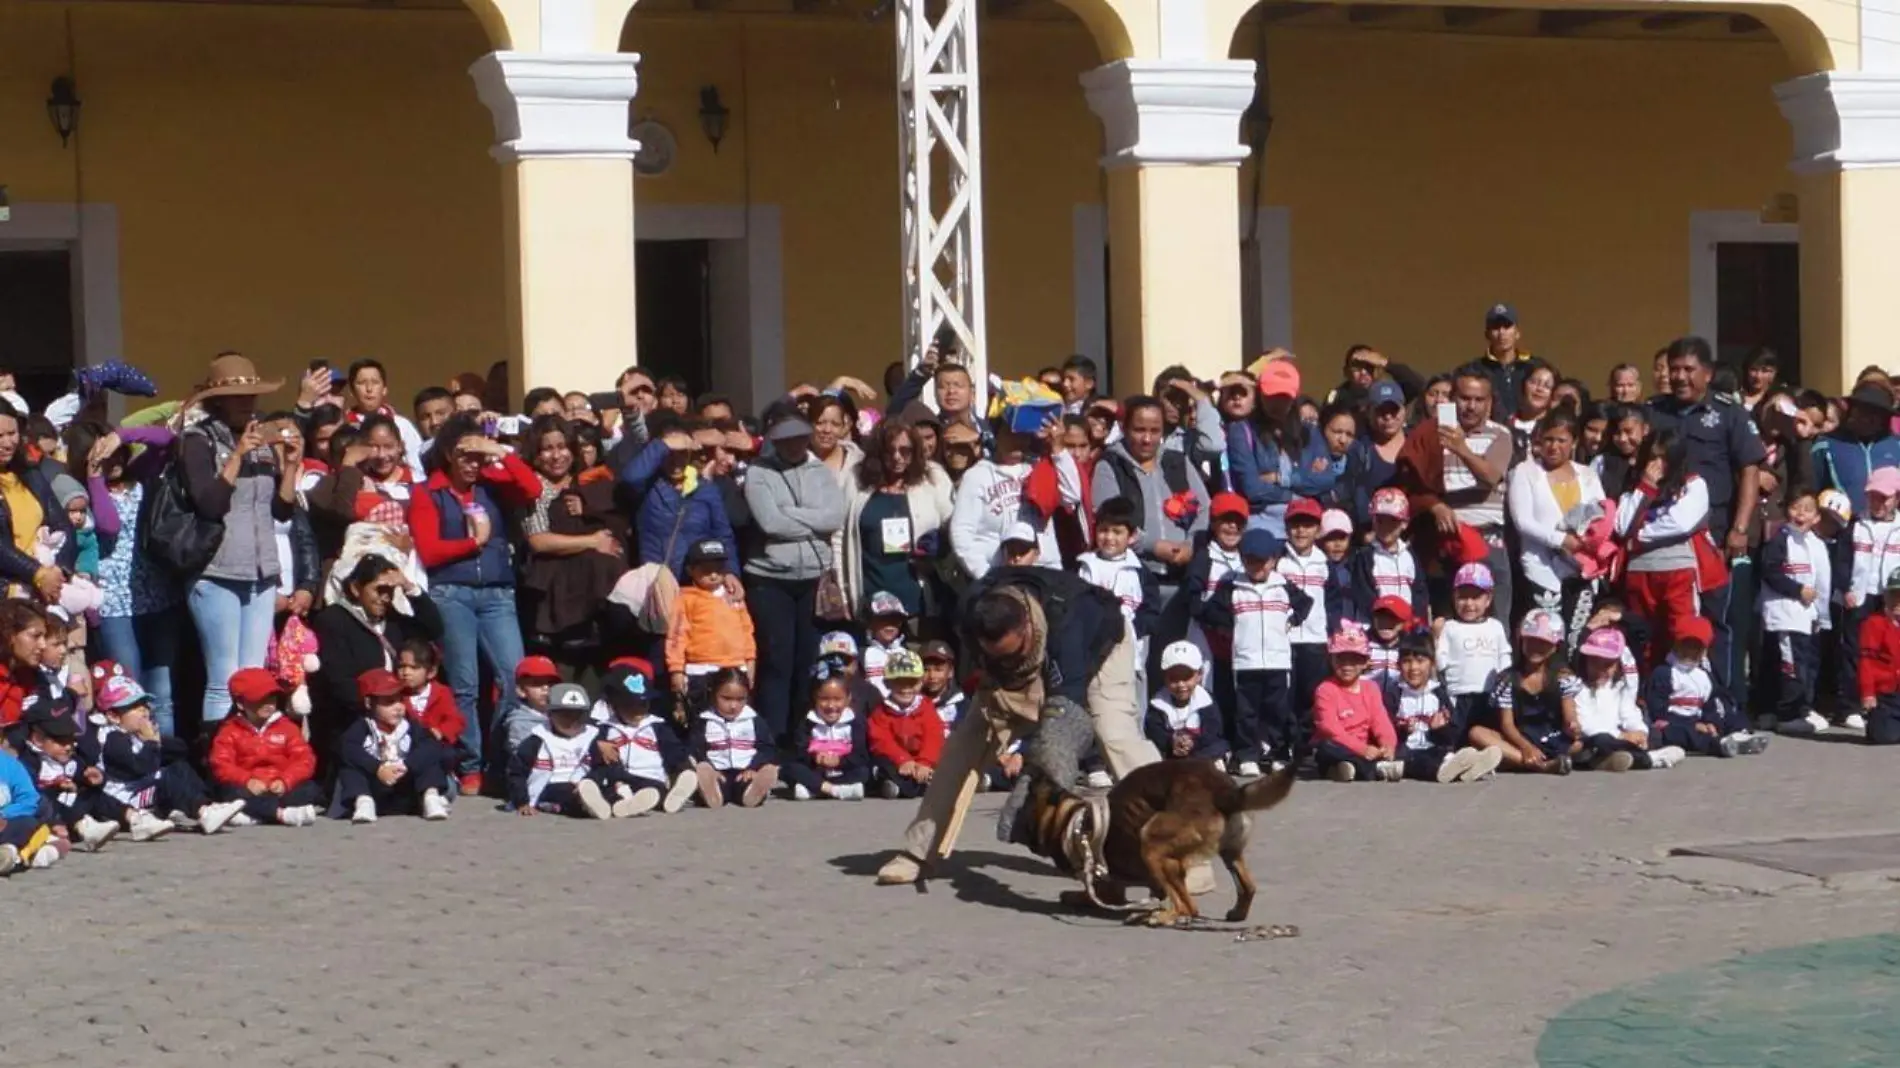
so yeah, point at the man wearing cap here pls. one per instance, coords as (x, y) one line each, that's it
(797, 505)
(1454, 478)
(1050, 651)
(1503, 363)
(1862, 443)
(1727, 452)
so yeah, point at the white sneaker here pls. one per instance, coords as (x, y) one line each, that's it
(623, 801)
(1342, 772)
(307, 816)
(1099, 780)
(1391, 770)
(1248, 769)
(1457, 765)
(146, 826)
(241, 820)
(680, 792)
(1667, 757)
(799, 793)
(1854, 721)
(593, 800)
(182, 822)
(94, 833)
(1486, 764)
(848, 792)
(1818, 721)
(1278, 766)
(889, 790)
(436, 807)
(46, 857)
(9, 860)
(213, 817)
(642, 802)
(365, 811)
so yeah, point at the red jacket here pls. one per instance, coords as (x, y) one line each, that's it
(903, 738)
(242, 752)
(434, 709)
(12, 697)
(1879, 656)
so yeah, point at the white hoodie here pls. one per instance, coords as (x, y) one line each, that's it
(989, 502)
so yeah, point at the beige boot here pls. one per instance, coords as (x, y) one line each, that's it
(900, 870)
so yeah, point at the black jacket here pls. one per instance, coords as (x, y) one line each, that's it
(17, 566)
(1084, 624)
(348, 649)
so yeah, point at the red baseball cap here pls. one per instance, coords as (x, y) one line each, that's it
(633, 663)
(1395, 606)
(1229, 504)
(1280, 378)
(1695, 628)
(378, 682)
(254, 686)
(535, 667)
(1305, 507)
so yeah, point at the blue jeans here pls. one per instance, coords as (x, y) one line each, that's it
(146, 647)
(477, 621)
(234, 622)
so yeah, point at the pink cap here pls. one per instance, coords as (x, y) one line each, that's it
(1333, 521)
(1604, 643)
(1391, 501)
(1884, 481)
(1280, 378)
(1348, 640)
(1540, 625)
(1478, 575)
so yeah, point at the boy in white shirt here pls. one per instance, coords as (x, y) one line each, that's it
(1260, 608)
(1795, 579)
(1114, 567)
(1306, 568)
(1182, 720)
(1473, 648)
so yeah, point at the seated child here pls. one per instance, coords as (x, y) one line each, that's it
(1611, 732)
(841, 649)
(534, 677)
(21, 832)
(906, 737)
(734, 758)
(1182, 720)
(1353, 737)
(147, 794)
(645, 761)
(431, 703)
(1532, 713)
(386, 764)
(1686, 708)
(710, 628)
(884, 624)
(831, 749)
(68, 787)
(553, 768)
(259, 757)
(1879, 674)
(1427, 724)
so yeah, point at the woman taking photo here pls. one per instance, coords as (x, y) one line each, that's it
(1659, 521)
(576, 553)
(377, 612)
(460, 523)
(897, 507)
(235, 477)
(1543, 493)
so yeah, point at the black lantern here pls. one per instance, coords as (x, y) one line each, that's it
(713, 115)
(62, 106)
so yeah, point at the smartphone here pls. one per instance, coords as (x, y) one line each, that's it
(605, 402)
(946, 341)
(1447, 413)
(318, 365)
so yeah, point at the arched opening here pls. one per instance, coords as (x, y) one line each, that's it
(1620, 176)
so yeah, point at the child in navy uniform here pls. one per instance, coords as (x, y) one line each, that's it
(1430, 732)
(1182, 719)
(732, 747)
(905, 735)
(1686, 709)
(142, 789)
(831, 749)
(1335, 540)
(644, 760)
(1795, 579)
(385, 762)
(1307, 569)
(1385, 567)
(69, 789)
(1215, 555)
(1259, 607)
(553, 771)
(259, 757)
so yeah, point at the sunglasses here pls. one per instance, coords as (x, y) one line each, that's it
(637, 390)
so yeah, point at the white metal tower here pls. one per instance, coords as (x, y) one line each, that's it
(943, 190)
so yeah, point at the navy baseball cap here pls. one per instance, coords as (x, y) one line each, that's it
(1259, 543)
(1500, 313)
(1384, 392)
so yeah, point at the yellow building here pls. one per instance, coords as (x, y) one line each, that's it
(444, 186)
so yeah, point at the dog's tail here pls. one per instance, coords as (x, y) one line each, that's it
(1266, 792)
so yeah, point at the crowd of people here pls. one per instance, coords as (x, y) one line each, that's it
(608, 605)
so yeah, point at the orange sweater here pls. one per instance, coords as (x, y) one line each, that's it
(706, 628)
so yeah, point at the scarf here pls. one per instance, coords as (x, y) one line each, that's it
(1014, 687)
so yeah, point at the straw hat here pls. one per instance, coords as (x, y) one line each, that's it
(232, 375)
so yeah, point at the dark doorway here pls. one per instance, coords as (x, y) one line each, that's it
(1758, 303)
(36, 323)
(673, 280)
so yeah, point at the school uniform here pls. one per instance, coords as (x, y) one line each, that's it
(275, 752)
(1136, 588)
(1678, 696)
(365, 746)
(1470, 658)
(876, 655)
(1381, 572)
(652, 754)
(1864, 556)
(732, 746)
(1790, 561)
(1604, 714)
(545, 770)
(1382, 660)
(848, 740)
(1199, 719)
(1209, 566)
(1309, 574)
(1259, 618)
(1422, 747)
(899, 736)
(65, 799)
(1539, 717)
(1879, 678)
(137, 777)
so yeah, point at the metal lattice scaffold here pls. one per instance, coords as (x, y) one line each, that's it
(939, 139)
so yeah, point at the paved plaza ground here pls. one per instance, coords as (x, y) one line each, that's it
(1514, 923)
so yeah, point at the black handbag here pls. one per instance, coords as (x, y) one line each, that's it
(170, 531)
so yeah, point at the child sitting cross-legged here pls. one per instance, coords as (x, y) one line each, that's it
(645, 762)
(1429, 729)
(1611, 732)
(1353, 737)
(68, 786)
(553, 770)
(906, 737)
(259, 757)
(735, 759)
(1182, 720)
(21, 831)
(385, 762)
(149, 795)
(1687, 709)
(831, 749)
(1532, 714)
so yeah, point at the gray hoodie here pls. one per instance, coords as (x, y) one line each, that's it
(796, 510)
(1155, 524)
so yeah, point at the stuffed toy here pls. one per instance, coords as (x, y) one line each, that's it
(1601, 555)
(292, 657)
(80, 594)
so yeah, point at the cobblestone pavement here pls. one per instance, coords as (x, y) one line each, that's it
(1440, 926)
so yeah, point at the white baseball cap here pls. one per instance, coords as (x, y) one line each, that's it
(1182, 654)
(1022, 532)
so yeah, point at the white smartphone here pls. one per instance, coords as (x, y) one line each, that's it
(1447, 413)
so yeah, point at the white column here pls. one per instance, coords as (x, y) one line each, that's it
(561, 122)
